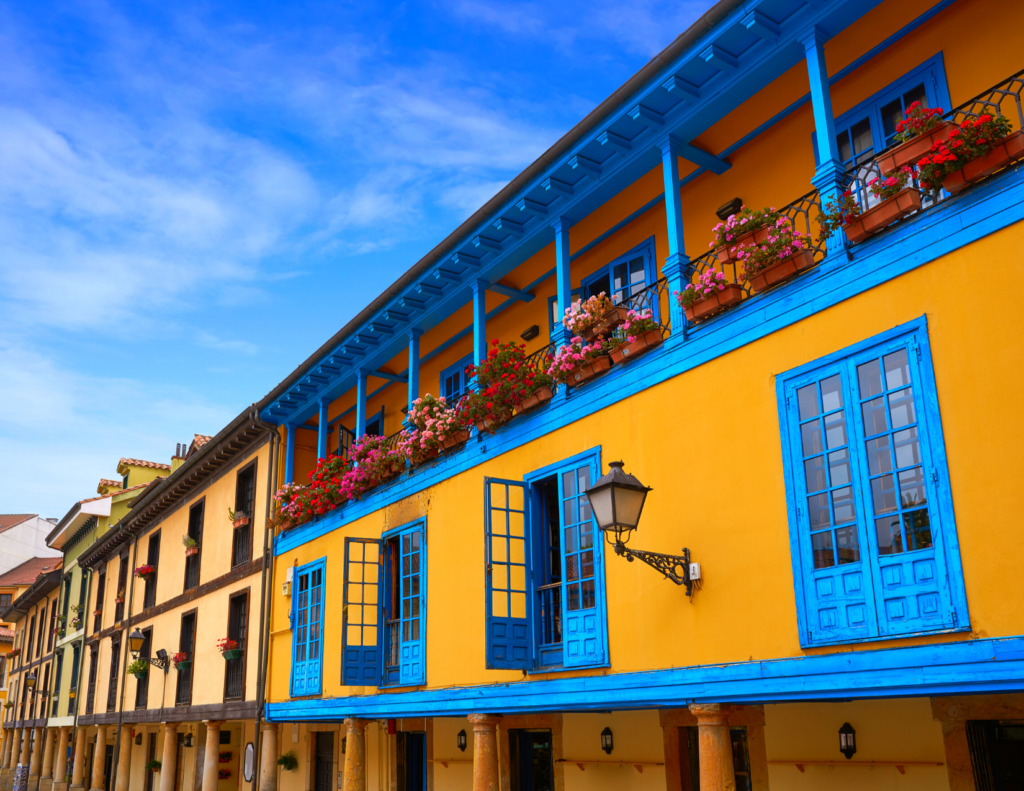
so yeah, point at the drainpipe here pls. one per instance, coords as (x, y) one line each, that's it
(267, 578)
(124, 655)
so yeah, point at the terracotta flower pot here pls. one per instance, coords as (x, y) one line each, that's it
(190, 551)
(426, 456)
(119, 600)
(627, 351)
(287, 524)
(490, 424)
(715, 303)
(725, 253)
(242, 521)
(608, 322)
(884, 214)
(782, 271)
(455, 439)
(1011, 149)
(910, 153)
(587, 372)
(541, 396)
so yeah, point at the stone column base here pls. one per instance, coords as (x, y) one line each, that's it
(33, 783)
(45, 784)
(60, 785)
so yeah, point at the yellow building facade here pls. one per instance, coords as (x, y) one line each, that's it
(826, 451)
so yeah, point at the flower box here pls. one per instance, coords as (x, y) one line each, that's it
(588, 372)
(884, 214)
(1011, 149)
(425, 456)
(190, 551)
(782, 271)
(185, 664)
(910, 152)
(241, 521)
(627, 351)
(119, 600)
(542, 396)
(288, 524)
(455, 439)
(490, 424)
(141, 674)
(608, 322)
(97, 612)
(756, 237)
(232, 653)
(715, 303)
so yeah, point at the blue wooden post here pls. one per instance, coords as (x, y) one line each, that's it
(563, 289)
(289, 453)
(360, 402)
(479, 321)
(829, 175)
(321, 433)
(414, 364)
(677, 268)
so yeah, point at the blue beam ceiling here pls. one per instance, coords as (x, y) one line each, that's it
(753, 46)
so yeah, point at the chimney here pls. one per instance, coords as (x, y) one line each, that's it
(179, 456)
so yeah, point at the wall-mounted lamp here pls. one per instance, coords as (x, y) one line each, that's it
(461, 738)
(530, 333)
(136, 641)
(727, 210)
(138, 738)
(607, 743)
(847, 740)
(617, 500)
(188, 740)
(30, 681)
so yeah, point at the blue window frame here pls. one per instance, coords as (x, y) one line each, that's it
(872, 531)
(454, 380)
(385, 609)
(545, 599)
(307, 628)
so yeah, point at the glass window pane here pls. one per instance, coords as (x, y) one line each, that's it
(847, 546)
(860, 133)
(883, 494)
(821, 546)
(901, 408)
(844, 146)
(869, 379)
(586, 535)
(839, 467)
(879, 460)
(908, 452)
(588, 595)
(814, 470)
(573, 599)
(897, 370)
(842, 504)
(811, 434)
(568, 484)
(873, 413)
(890, 539)
(587, 563)
(807, 398)
(817, 511)
(832, 393)
(583, 476)
(919, 531)
(835, 429)
(572, 571)
(570, 539)
(912, 488)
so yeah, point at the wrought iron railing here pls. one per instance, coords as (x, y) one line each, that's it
(549, 608)
(539, 361)
(650, 298)
(234, 672)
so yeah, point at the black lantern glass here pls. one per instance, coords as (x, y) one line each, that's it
(607, 744)
(847, 740)
(462, 740)
(617, 500)
(135, 642)
(188, 740)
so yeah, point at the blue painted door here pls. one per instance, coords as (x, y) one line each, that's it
(409, 595)
(505, 574)
(361, 613)
(307, 636)
(911, 579)
(583, 630)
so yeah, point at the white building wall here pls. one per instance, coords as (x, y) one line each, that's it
(25, 541)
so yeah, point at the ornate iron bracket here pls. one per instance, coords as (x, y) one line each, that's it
(674, 567)
(163, 664)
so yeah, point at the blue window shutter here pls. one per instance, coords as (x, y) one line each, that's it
(361, 610)
(583, 630)
(506, 529)
(412, 599)
(307, 629)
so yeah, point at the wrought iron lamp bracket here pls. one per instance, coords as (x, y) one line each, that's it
(163, 664)
(674, 567)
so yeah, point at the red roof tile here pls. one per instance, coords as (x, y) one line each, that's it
(141, 463)
(7, 521)
(6, 635)
(122, 491)
(108, 482)
(26, 573)
(197, 442)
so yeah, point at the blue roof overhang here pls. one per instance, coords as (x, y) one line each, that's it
(750, 47)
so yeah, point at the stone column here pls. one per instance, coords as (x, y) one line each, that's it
(46, 775)
(210, 764)
(124, 760)
(716, 769)
(60, 763)
(36, 761)
(5, 742)
(355, 755)
(99, 756)
(268, 757)
(26, 746)
(170, 757)
(485, 752)
(78, 768)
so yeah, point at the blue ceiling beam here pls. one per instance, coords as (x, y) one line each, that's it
(720, 59)
(508, 291)
(399, 378)
(679, 87)
(532, 207)
(652, 119)
(760, 25)
(702, 158)
(614, 142)
(557, 187)
(486, 245)
(587, 167)
(466, 259)
(510, 227)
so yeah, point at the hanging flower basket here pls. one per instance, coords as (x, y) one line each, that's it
(232, 653)
(883, 215)
(119, 600)
(782, 271)
(714, 303)
(1010, 150)
(455, 439)
(541, 396)
(241, 521)
(191, 551)
(145, 572)
(224, 757)
(184, 664)
(913, 150)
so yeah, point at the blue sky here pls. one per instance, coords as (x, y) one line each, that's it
(194, 196)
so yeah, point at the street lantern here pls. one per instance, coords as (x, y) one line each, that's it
(847, 740)
(606, 741)
(617, 501)
(30, 681)
(136, 642)
(461, 740)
